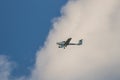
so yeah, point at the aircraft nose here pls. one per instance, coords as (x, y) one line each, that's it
(57, 43)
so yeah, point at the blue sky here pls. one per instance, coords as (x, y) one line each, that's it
(24, 26)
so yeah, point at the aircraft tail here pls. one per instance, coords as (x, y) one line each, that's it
(80, 42)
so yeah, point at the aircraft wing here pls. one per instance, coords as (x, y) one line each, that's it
(67, 41)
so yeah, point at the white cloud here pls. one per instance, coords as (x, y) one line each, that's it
(98, 58)
(5, 68)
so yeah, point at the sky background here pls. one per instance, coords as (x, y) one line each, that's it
(24, 26)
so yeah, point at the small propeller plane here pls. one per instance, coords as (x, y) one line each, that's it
(64, 44)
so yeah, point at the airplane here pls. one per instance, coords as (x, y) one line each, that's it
(64, 44)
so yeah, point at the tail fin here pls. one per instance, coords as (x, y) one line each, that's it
(80, 42)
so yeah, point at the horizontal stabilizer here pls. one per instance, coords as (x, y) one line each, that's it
(80, 42)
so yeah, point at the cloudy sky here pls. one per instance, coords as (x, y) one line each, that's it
(24, 26)
(30, 29)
